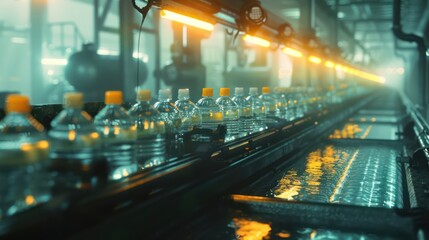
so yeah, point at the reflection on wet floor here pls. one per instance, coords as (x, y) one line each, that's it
(359, 175)
(350, 131)
(249, 229)
(366, 129)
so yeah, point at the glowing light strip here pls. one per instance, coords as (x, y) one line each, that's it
(329, 64)
(314, 59)
(292, 52)
(54, 61)
(187, 20)
(257, 41)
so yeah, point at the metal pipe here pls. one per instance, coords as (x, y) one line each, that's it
(96, 4)
(421, 46)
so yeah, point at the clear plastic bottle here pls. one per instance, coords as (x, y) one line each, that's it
(75, 146)
(292, 104)
(118, 134)
(281, 102)
(271, 110)
(230, 114)
(150, 145)
(211, 114)
(244, 112)
(191, 115)
(173, 121)
(24, 158)
(168, 111)
(258, 110)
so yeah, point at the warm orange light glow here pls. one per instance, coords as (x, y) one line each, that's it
(187, 20)
(367, 76)
(248, 229)
(339, 67)
(257, 41)
(329, 64)
(314, 59)
(29, 200)
(292, 52)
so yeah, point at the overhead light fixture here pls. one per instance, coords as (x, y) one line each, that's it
(292, 52)
(187, 20)
(251, 17)
(339, 67)
(366, 75)
(314, 59)
(329, 64)
(257, 41)
(285, 31)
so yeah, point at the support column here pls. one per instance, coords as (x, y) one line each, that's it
(38, 23)
(303, 75)
(126, 41)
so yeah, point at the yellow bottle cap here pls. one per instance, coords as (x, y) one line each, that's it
(73, 100)
(224, 92)
(113, 97)
(265, 89)
(144, 95)
(207, 92)
(18, 103)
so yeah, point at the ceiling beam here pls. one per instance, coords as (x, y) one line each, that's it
(361, 20)
(373, 3)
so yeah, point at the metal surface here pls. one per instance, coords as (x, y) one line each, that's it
(349, 173)
(356, 164)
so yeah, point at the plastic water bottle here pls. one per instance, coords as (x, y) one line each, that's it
(271, 110)
(281, 102)
(118, 134)
(173, 121)
(150, 145)
(211, 114)
(230, 114)
(168, 111)
(244, 112)
(191, 115)
(292, 104)
(258, 110)
(75, 146)
(24, 158)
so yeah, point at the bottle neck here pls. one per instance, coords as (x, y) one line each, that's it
(143, 101)
(164, 99)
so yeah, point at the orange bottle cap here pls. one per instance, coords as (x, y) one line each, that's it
(73, 100)
(18, 103)
(113, 97)
(144, 95)
(224, 92)
(207, 92)
(265, 89)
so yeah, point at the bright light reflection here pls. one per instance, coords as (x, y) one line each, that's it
(187, 20)
(257, 41)
(314, 59)
(292, 52)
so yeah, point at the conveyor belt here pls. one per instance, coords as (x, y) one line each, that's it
(356, 164)
(359, 174)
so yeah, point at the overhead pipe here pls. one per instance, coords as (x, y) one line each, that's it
(421, 46)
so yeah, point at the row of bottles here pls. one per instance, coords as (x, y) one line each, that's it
(119, 142)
